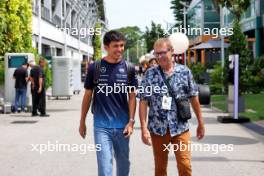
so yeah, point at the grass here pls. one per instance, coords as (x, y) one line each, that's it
(253, 102)
(219, 101)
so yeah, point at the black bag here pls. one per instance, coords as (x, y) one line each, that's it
(183, 105)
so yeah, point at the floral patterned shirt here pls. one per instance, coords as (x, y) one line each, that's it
(182, 84)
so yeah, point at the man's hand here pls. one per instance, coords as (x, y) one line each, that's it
(82, 129)
(128, 129)
(40, 89)
(200, 131)
(85, 108)
(197, 110)
(145, 136)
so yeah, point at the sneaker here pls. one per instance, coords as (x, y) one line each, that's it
(44, 115)
(34, 115)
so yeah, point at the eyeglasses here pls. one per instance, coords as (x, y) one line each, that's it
(161, 54)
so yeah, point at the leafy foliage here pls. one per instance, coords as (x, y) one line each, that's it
(152, 34)
(236, 7)
(100, 4)
(238, 45)
(97, 44)
(133, 36)
(177, 8)
(2, 71)
(217, 80)
(197, 71)
(15, 28)
(256, 78)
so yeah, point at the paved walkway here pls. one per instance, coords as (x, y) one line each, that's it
(19, 131)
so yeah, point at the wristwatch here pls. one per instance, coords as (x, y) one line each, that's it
(132, 120)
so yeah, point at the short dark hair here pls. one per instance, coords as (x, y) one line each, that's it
(25, 64)
(113, 36)
(42, 59)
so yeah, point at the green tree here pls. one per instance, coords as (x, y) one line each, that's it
(177, 8)
(15, 27)
(133, 35)
(16, 32)
(152, 34)
(2, 70)
(97, 44)
(236, 7)
(238, 45)
(257, 76)
(217, 80)
(101, 11)
(197, 71)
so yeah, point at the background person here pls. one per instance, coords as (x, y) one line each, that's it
(152, 61)
(21, 77)
(42, 100)
(37, 78)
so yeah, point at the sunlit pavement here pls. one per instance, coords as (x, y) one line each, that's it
(20, 131)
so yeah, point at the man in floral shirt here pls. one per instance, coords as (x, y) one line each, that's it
(164, 126)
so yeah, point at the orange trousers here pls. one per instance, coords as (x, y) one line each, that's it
(160, 146)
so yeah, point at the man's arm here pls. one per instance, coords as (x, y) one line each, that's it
(32, 82)
(197, 110)
(26, 77)
(41, 77)
(143, 107)
(85, 108)
(14, 75)
(132, 109)
(40, 84)
(145, 135)
(132, 105)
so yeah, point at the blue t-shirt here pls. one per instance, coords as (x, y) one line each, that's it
(111, 109)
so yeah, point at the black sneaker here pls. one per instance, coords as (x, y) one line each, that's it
(34, 115)
(44, 115)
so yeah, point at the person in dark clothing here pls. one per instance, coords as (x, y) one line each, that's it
(42, 100)
(21, 77)
(37, 78)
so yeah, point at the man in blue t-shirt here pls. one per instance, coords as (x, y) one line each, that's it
(113, 106)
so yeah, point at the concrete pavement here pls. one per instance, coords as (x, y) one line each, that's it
(20, 131)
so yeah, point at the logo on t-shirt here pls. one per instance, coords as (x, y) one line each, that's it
(103, 69)
(121, 70)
